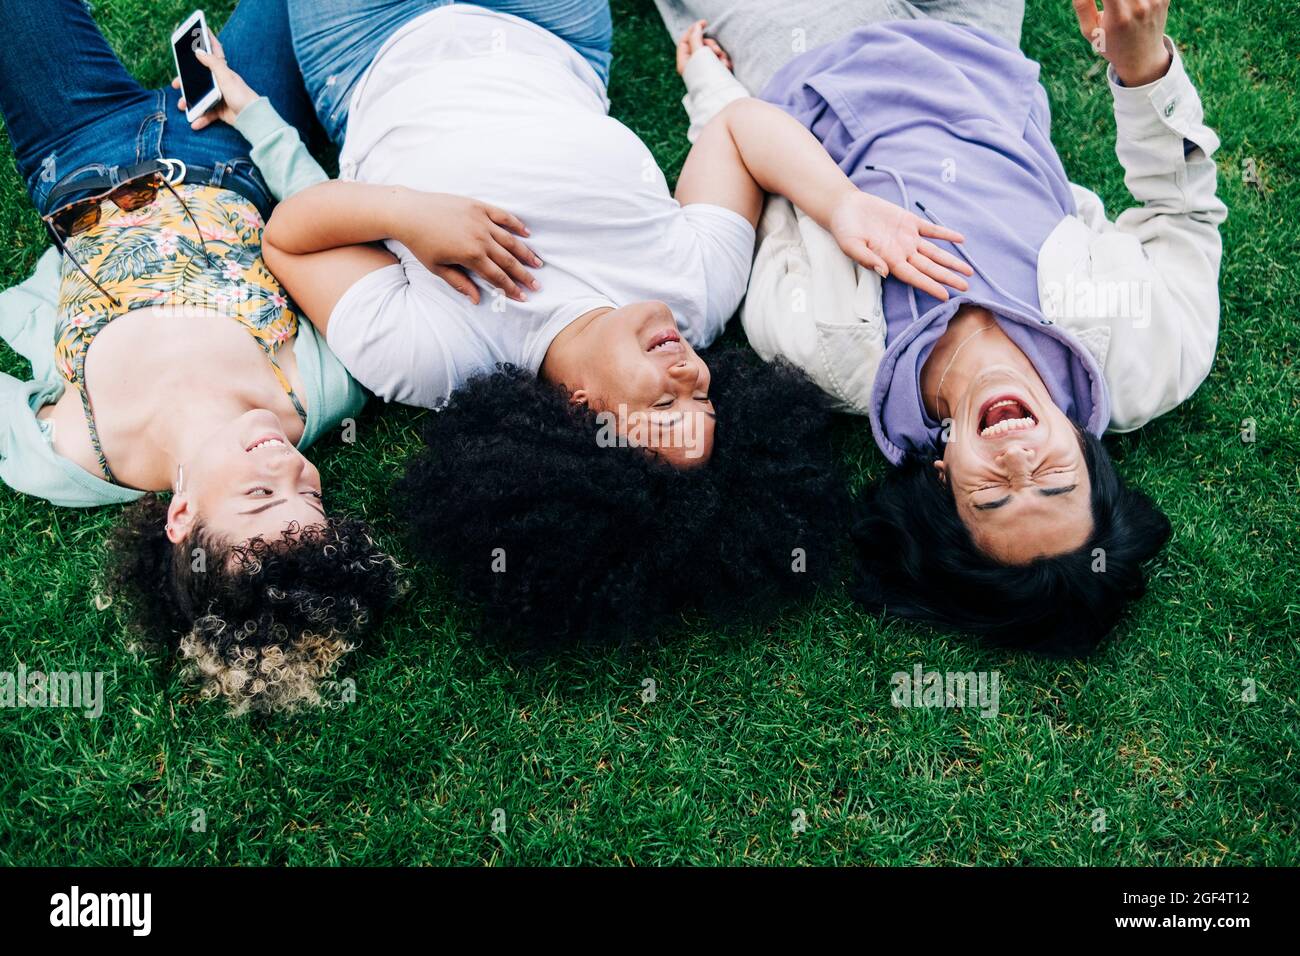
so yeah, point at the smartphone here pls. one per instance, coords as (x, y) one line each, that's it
(198, 85)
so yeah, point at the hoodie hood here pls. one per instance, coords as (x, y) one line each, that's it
(951, 123)
(903, 428)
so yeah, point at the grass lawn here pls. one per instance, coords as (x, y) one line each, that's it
(1145, 754)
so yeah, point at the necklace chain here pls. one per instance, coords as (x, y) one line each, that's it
(956, 352)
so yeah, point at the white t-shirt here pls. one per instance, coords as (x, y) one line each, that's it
(486, 105)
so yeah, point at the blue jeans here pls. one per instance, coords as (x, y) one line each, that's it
(336, 40)
(72, 110)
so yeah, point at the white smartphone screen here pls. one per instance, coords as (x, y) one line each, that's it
(196, 79)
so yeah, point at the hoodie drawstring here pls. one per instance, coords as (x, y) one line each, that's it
(970, 260)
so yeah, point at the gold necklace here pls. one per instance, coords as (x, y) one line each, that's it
(947, 368)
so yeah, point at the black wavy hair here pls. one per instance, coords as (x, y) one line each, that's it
(259, 623)
(917, 560)
(559, 539)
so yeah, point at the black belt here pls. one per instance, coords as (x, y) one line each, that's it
(174, 171)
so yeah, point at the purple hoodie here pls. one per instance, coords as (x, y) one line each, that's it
(951, 123)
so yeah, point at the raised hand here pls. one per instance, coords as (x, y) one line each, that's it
(1130, 34)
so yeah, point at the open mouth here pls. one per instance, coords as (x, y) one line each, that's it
(268, 441)
(1005, 415)
(666, 341)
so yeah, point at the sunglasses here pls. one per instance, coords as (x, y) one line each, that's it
(134, 193)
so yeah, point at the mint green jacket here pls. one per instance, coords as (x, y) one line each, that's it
(28, 314)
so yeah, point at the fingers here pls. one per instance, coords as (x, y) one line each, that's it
(864, 254)
(516, 247)
(931, 251)
(210, 60)
(176, 82)
(696, 34)
(935, 231)
(496, 276)
(458, 280)
(215, 43)
(692, 39)
(507, 220)
(215, 62)
(937, 272)
(683, 53)
(515, 269)
(1089, 16)
(906, 272)
(509, 253)
(719, 51)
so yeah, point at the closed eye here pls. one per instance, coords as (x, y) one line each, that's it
(1049, 492)
(669, 402)
(1045, 492)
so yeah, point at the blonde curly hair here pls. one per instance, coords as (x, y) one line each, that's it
(263, 624)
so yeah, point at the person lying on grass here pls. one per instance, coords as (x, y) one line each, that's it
(1005, 516)
(165, 355)
(613, 476)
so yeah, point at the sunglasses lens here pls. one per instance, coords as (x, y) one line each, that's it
(77, 218)
(134, 195)
(84, 215)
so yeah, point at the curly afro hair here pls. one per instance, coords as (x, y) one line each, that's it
(559, 539)
(260, 623)
(917, 560)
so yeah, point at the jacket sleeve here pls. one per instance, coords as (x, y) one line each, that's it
(28, 314)
(1153, 272)
(278, 150)
(709, 87)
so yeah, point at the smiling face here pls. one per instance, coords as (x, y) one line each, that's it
(633, 363)
(247, 480)
(1016, 468)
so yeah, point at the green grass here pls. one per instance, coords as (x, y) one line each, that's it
(749, 725)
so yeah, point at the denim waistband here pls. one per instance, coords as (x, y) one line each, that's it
(239, 175)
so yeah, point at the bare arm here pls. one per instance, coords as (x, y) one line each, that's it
(323, 240)
(752, 148)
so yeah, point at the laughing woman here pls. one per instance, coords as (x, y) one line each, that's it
(1004, 516)
(614, 477)
(165, 356)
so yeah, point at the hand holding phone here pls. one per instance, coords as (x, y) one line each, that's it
(233, 94)
(198, 84)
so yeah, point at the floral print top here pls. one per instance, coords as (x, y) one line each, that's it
(152, 256)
